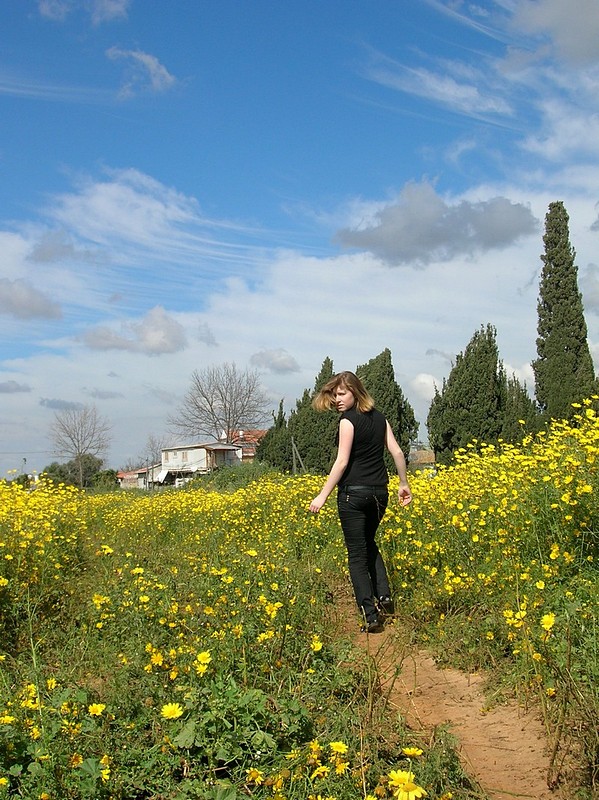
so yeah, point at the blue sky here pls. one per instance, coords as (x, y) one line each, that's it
(271, 183)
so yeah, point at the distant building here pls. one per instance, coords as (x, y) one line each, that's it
(180, 463)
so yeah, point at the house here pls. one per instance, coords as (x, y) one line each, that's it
(248, 440)
(127, 479)
(142, 478)
(421, 458)
(182, 462)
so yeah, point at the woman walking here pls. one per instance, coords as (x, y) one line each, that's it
(361, 476)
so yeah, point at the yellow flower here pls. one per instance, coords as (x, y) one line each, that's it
(411, 752)
(3, 781)
(204, 657)
(96, 709)
(255, 776)
(548, 621)
(403, 785)
(316, 644)
(320, 772)
(171, 711)
(338, 747)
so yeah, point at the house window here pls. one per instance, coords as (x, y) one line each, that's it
(166, 456)
(184, 455)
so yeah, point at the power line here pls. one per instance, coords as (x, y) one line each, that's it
(25, 452)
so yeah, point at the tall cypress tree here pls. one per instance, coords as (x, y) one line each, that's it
(471, 404)
(564, 371)
(378, 376)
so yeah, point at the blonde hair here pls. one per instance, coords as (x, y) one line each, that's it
(325, 400)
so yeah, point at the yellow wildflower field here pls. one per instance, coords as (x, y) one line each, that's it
(178, 644)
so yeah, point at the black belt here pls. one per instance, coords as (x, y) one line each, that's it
(351, 488)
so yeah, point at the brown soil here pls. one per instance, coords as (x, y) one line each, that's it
(504, 749)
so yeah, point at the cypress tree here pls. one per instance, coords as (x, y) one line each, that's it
(275, 447)
(520, 414)
(378, 376)
(564, 371)
(314, 433)
(471, 404)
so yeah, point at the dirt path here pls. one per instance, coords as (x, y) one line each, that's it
(504, 749)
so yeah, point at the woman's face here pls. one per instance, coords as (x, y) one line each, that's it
(344, 399)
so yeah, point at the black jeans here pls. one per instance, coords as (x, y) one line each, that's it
(361, 509)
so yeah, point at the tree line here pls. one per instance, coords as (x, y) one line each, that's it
(477, 403)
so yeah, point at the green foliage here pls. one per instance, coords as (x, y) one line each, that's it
(378, 377)
(472, 402)
(70, 473)
(520, 412)
(563, 369)
(230, 478)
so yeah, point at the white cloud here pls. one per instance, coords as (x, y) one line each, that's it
(277, 360)
(107, 10)
(55, 9)
(422, 227)
(21, 300)
(56, 245)
(145, 72)
(156, 334)
(568, 130)
(570, 26)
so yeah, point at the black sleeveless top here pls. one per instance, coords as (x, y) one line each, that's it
(366, 466)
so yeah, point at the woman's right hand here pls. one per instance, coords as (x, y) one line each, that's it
(404, 494)
(317, 504)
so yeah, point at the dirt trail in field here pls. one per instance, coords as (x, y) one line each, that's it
(504, 750)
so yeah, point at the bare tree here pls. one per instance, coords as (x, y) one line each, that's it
(152, 452)
(79, 432)
(220, 401)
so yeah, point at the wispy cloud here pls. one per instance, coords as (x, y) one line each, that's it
(102, 394)
(55, 404)
(13, 387)
(145, 72)
(21, 86)
(99, 10)
(460, 89)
